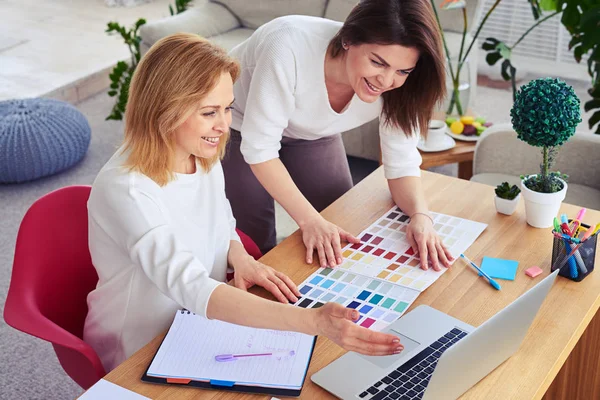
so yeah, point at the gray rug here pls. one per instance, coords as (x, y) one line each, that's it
(28, 366)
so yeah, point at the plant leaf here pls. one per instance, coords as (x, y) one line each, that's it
(594, 119)
(548, 5)
(490, 44)
(592, 104)
(506, 67)
(570, 18)
(493, 57)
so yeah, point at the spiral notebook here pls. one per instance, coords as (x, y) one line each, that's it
(187, 356)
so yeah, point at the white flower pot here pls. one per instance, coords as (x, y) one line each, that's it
(505, 206)
(541, 208)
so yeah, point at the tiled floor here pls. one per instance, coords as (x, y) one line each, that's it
(59, 47)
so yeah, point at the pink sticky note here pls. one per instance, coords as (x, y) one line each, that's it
(533, 271)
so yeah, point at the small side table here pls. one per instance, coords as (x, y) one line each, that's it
(462, 154)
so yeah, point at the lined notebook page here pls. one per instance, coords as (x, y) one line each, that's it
(189, 350)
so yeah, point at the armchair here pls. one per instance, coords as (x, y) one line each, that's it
(500, 156)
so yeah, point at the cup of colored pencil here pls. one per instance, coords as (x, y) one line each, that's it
(574, 247)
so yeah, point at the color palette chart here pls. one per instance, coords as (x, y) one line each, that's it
(381, 276)
(385, 253)
(379, 303)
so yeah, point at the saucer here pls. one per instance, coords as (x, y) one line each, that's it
(445, 144)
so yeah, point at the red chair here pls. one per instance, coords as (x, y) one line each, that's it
(52, 276)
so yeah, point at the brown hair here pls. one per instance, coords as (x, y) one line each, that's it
(409, 23)
(170, 80)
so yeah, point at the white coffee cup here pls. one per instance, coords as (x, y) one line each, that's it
(436, 133)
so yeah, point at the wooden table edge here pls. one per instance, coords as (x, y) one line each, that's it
(564, 355)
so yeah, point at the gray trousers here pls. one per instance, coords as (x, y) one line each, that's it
(318, 167)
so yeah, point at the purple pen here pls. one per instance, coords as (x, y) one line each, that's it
(233, 357)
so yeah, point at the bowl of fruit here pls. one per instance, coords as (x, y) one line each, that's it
(466, 128)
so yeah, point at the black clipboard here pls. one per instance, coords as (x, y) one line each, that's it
(228, 385)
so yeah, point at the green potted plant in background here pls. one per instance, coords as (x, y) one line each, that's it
(507, 198)
(545, 114)
(120, 76)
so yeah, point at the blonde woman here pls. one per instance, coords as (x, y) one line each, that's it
(161, 231)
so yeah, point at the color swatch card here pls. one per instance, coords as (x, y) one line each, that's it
(386, 254)
(381, 276)
(379, 303)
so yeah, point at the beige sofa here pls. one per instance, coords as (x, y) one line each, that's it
(500, 156)
(229, 22)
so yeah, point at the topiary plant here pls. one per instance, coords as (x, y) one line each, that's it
(545, 114)
(505, 191)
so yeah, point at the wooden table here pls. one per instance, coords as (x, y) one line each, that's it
(529, 374)
(462, 154)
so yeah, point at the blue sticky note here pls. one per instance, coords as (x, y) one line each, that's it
(500, 268)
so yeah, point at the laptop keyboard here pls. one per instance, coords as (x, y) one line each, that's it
(410, 379)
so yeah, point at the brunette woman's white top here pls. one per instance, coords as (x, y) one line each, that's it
(281, 92)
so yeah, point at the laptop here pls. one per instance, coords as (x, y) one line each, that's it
(442, 358)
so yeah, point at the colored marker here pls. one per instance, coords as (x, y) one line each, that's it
(572, 265)
(577, 222)
(565, 224)
(576, 254)
(233, 357)
(557, 226)
(492, 282)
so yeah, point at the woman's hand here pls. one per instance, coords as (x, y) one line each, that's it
(425, 241)
(335, 321)
(325, 237)
(249, 272)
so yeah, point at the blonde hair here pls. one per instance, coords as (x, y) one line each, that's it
(171, 79)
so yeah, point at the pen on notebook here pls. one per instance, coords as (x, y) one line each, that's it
(492, 282)
(233, 357)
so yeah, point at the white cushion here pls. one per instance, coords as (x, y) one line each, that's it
(254, 13)
(229, 40)
(579, 195)
(206, 20)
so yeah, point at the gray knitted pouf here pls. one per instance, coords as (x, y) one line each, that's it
(40, 137)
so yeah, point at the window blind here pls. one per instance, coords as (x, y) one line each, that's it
(545, 50)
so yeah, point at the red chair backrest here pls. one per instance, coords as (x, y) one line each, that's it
(51, 278)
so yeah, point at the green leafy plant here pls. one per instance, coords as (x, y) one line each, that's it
(120, 76)
(180, 6)
(582, 19)
(505, 191)
(545, 114)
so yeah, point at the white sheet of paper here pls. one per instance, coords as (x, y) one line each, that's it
(104, 389)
